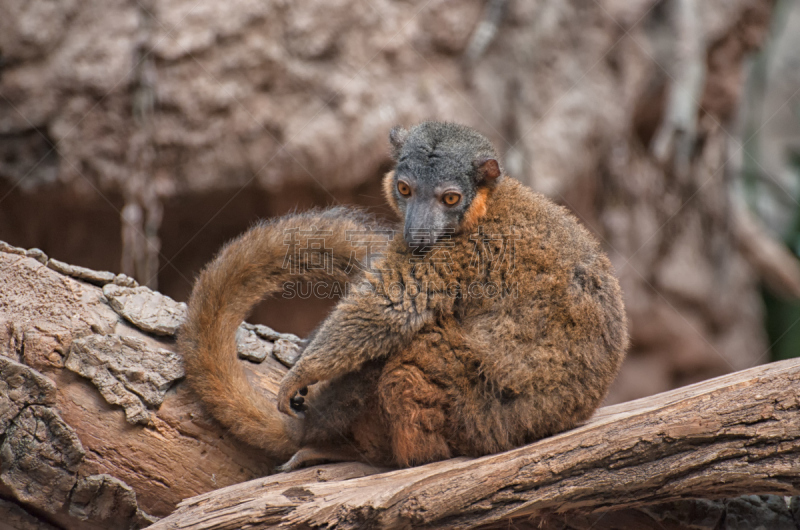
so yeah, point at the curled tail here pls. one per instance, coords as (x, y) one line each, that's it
(247, 269)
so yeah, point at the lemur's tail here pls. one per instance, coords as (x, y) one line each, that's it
(252, 266)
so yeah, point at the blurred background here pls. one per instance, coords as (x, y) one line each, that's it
(138, 136)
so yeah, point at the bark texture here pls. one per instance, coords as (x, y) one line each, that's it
(96, 431)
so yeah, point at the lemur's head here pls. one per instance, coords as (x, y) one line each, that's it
(443, 177)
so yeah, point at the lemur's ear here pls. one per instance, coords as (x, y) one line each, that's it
(397, 137)
(488, 170)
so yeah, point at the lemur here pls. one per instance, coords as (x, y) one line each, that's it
(491, 318)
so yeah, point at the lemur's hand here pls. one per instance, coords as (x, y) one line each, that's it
(294, 383)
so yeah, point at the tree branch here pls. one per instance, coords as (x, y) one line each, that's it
(733, 435)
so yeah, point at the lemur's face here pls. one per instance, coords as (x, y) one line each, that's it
(432, 210)
(441, 182)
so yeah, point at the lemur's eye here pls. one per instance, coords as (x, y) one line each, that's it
(403, 188)
(451, 198)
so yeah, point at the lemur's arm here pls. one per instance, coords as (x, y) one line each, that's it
(366, 325)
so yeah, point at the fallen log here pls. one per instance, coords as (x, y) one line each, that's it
(733, 435)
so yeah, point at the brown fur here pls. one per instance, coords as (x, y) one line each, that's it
(246, 270)
(429, 370)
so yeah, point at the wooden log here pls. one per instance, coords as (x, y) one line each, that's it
(97, 430)
(733, 435)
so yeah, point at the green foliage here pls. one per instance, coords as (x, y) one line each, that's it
(783, 316)
(783, 326)
(770, 178)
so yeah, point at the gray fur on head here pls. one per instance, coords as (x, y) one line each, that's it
(436, 150)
